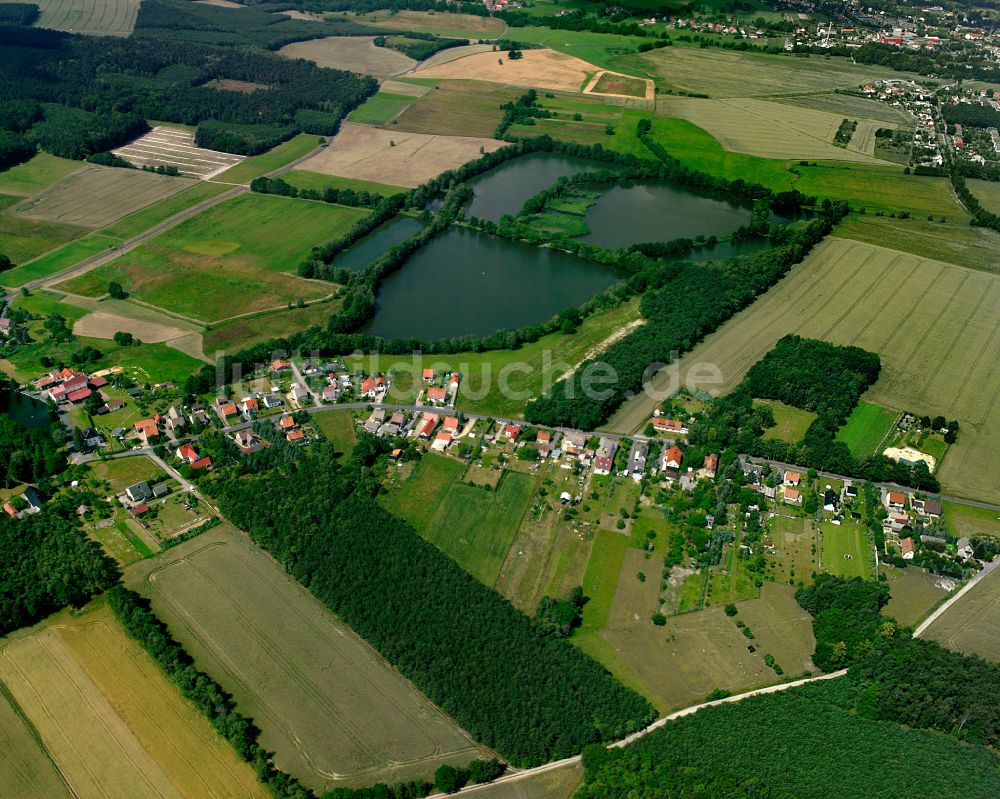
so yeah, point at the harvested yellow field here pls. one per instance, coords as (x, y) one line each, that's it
(27, 771)
(455, 53)
(389, 156)
(773, 130)
(110, 721)
(354, 53)
(935, 326)
(105, 325)
(457, 26)
(538, 69)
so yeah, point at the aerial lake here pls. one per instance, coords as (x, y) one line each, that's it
(469, 283)
(504, 190)
(629, 213)
(374, 245)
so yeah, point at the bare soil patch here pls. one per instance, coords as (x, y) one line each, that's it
(354, 53)
(104, 325)
(389, 156)
(169, 146)
(244, 86)
(542, 69)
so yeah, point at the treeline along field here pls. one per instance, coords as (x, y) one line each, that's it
(531, 697)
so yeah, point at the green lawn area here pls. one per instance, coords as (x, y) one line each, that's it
(790, 423)
(965, 520)
(237, 257)
(121, 543)
(32, 176)
(418, 498)
(607, 557)
(475, 527)
(120, 473)
(56, 261)
(143, 220)
(302, 179)
(380, 109)
(280, 156)
(731, 582)
(237, 334)
(840, 541)
(22, 239)
(866, 427)
(338, 427)
(150, 362)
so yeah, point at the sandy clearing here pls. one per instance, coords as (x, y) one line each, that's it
(104, 325)
(366, 153)
(354, 53)
(542, 69)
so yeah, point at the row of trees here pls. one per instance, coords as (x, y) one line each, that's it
(532, 697)
(346, 196)
(688, 302)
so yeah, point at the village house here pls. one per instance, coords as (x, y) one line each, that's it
(928, 508)
(427, 424)
(175, 420)
(298, 393)
(287, 423)
(441, 442)
(331, 392)
(792, 479)
(663, 425)
(31, 500)
(451, 425)
(894, 500)
(429, 375)
(187, 453)
(198, 416)
(510, 432)
(249, 406)
(295, 436)
(373, 387)
(543, 443)
(792, 496)
(574, 444)
(637, 460)
(670, 462)
(436, 395)
(711, 465)
(229, 411)
(272, 401)
(897, 521)
(280, 365)
(908, 547)
(148, 429)
(246, 441)
(139, 492)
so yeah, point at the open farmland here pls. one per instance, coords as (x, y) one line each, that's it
(935, 326)
(772, 130)
(540, 69)
(22, 239)
(846, 105)
(972, 625)
(81, 679)
(614, 83)
(95, 196)
(32, 176)
(237, 257)
(913, 593)
(28, 771)
(354, 53)
(168, 146)
(398, 158)
(329, 707)
(724, 73)
(457, 108)
(454, 26)
(93, 17)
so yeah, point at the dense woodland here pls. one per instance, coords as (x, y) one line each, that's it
(805, 743)
(84, 95)
(815, 376)
(47, 563)
(504, 679)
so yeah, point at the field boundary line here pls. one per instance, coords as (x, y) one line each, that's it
(922, 628)
(36, 736)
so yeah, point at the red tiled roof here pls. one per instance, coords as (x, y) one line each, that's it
(79, 394)
(202, 463)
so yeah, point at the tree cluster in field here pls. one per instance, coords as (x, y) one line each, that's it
(530, 696)
(522, 111)
(845, 132)
(803, 743)
(815, 376)
(47, 563)
(347, 196)
(981, 217)
(560, 617)
(58, 95)
(419, 46)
